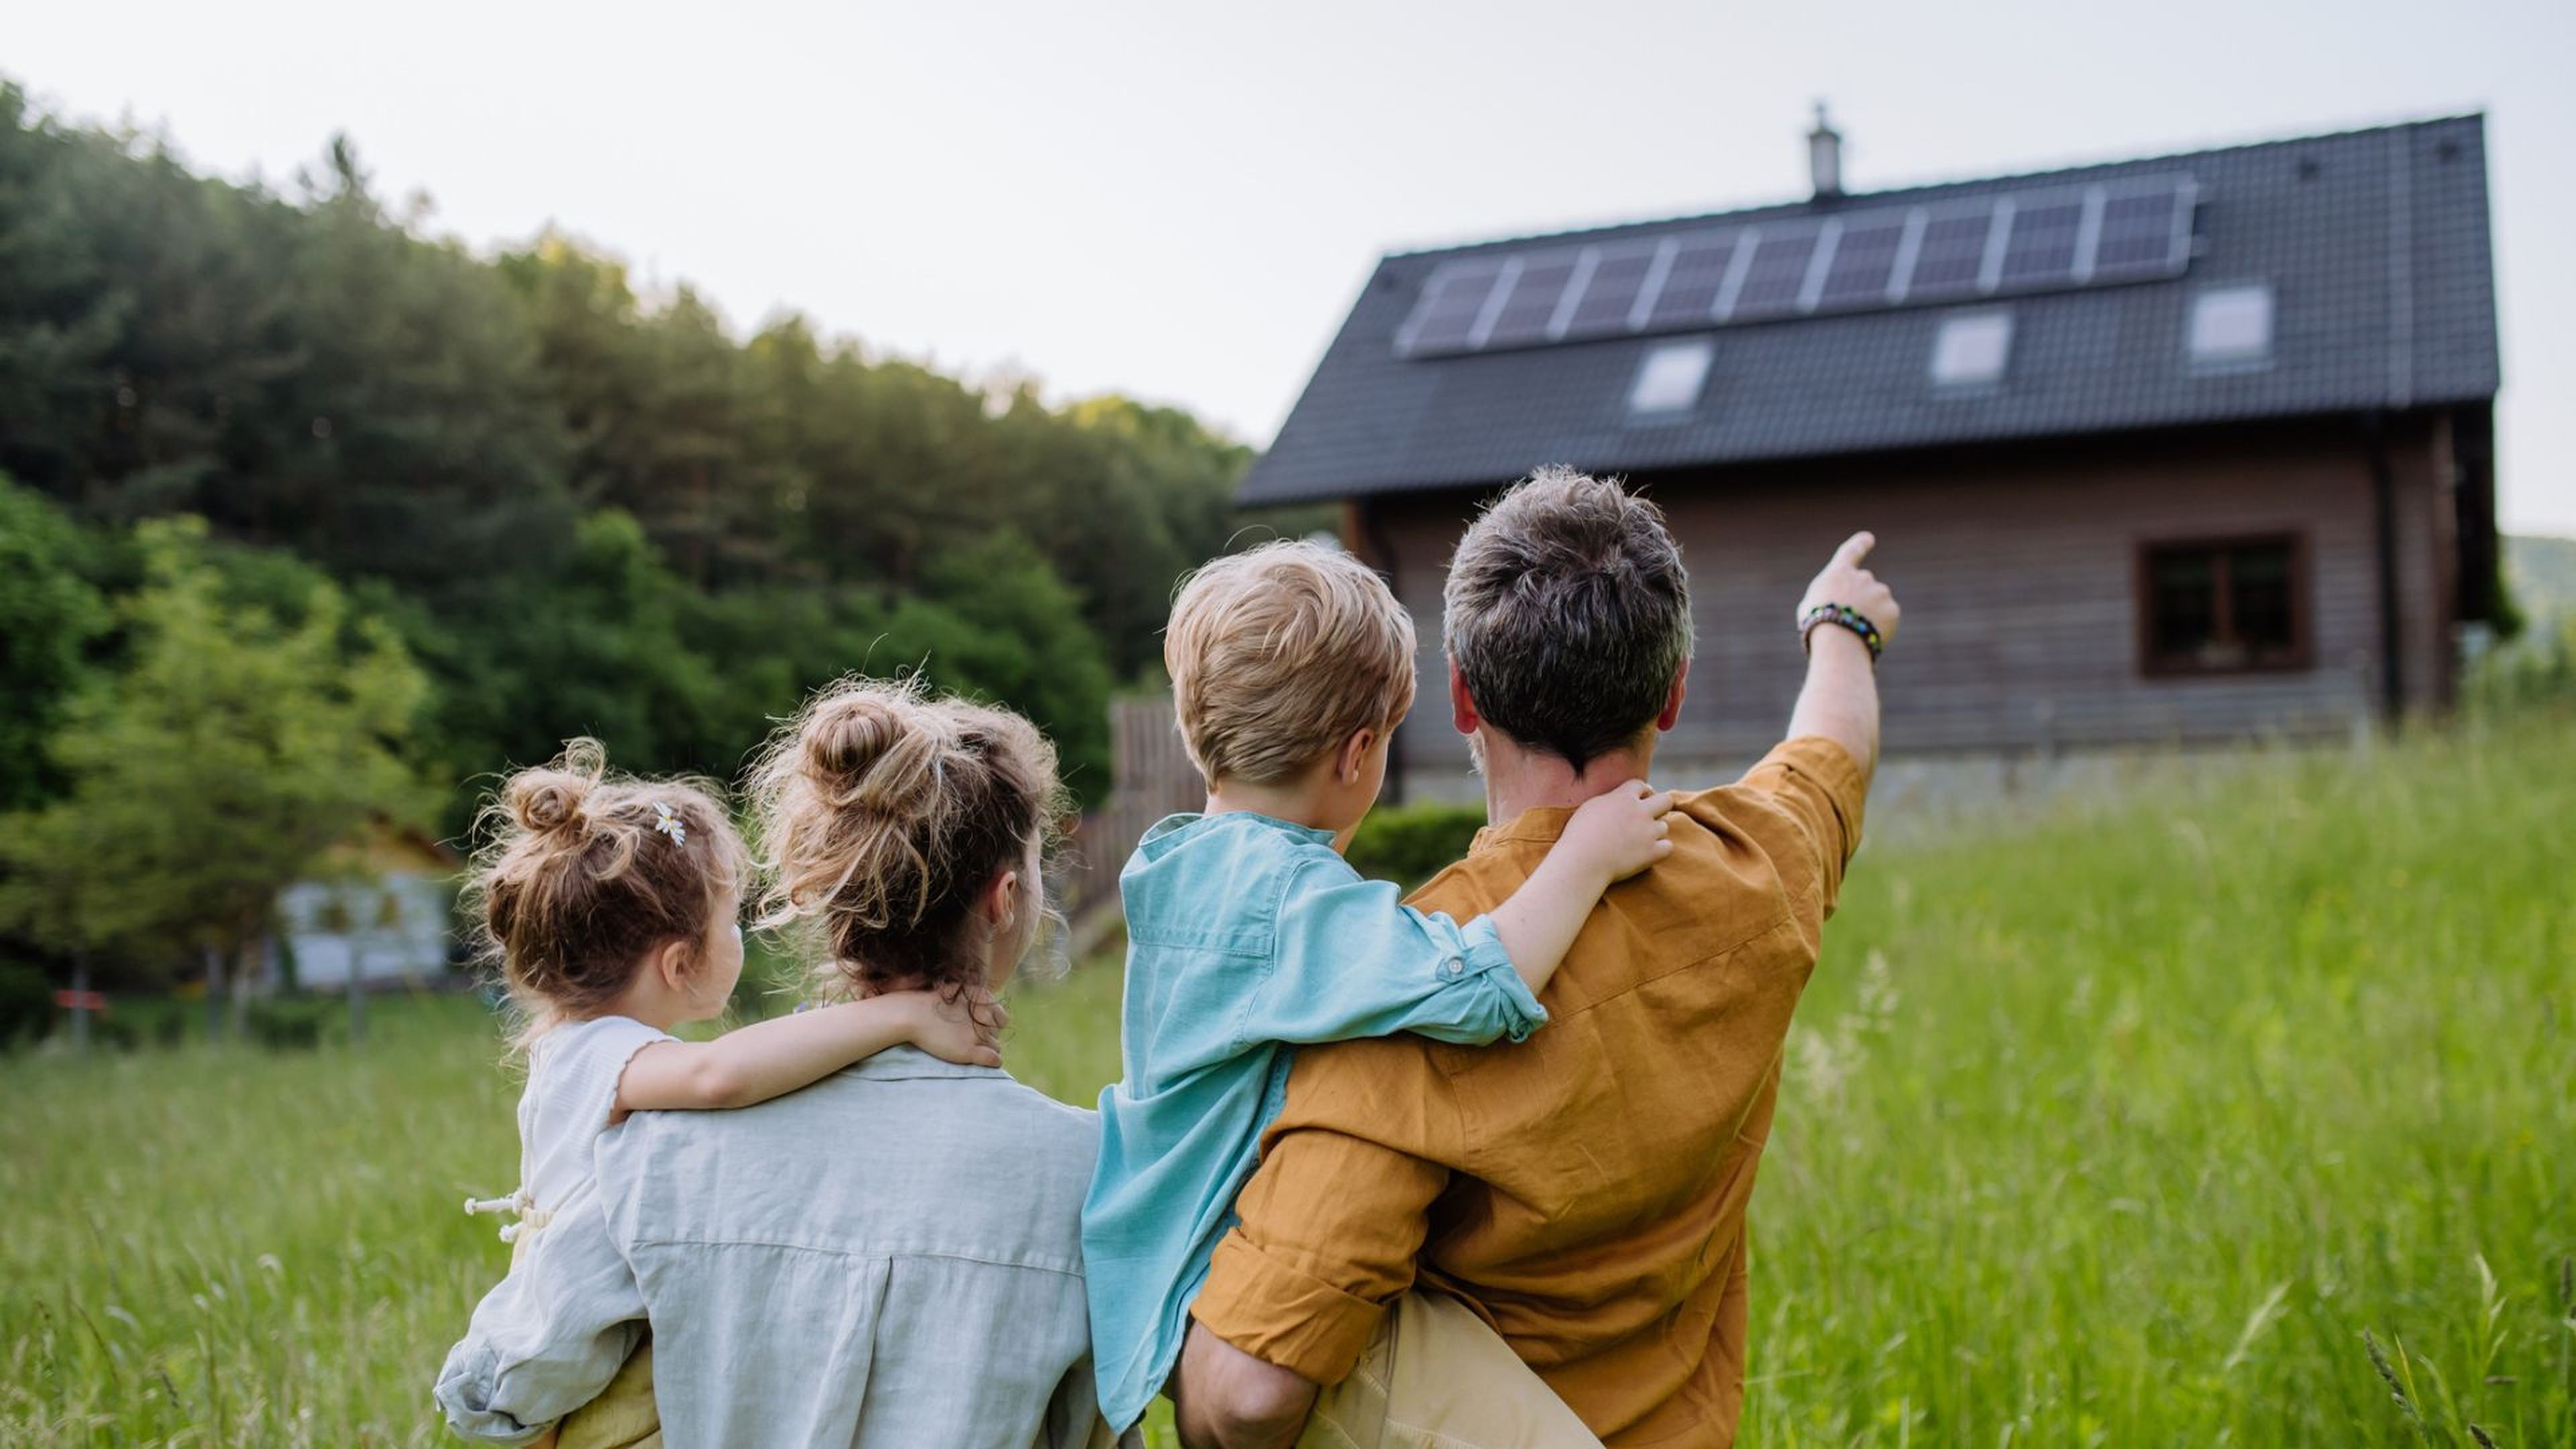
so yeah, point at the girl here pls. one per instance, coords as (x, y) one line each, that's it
(611, 906)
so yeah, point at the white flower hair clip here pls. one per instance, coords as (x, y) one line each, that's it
(670, 824)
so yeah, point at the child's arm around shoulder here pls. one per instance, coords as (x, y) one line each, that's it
(772, 1058)
(1349, 959)
(1610, 838)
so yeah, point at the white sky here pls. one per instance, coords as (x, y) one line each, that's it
(1179, 200)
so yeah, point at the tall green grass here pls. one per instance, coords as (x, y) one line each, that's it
(224, 1246)
(2126, 1130)
(2121, 1130)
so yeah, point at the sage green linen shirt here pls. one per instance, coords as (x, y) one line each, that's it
(890, 1257)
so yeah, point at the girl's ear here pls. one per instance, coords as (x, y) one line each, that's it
(676, 962)
(1354, 755)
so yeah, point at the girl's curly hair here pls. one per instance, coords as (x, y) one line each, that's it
(585, 874)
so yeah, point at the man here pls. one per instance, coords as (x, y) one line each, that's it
(1583, 1193)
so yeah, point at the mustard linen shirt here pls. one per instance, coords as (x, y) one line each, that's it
(1583, 1191)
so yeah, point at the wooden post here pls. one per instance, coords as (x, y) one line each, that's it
(248, 969)
(80, 1011)
(357, 997)
(214, 993)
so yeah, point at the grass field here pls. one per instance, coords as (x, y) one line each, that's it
(2123, 1130)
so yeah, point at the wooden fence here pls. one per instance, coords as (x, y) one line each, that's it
(1152, 777)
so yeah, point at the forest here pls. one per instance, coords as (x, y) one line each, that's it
(310, 518)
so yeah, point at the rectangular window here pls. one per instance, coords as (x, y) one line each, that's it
(2223, 606)
(2232, 326)
(1668, 379)
(1971, 348)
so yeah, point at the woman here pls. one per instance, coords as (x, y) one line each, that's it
(891, 1256)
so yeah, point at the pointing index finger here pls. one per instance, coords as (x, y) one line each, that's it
(1855, 548)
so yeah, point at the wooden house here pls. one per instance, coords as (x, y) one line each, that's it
(2181, 449)
(381, 909)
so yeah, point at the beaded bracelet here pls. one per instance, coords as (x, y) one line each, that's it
(1846, 617)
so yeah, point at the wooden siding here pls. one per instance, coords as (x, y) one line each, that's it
(2018, 573)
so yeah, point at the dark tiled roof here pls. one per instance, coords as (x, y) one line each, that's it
(2375, 244)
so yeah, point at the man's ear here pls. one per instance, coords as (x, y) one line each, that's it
(1673, 702)
(1462, 710)
(1354, 755)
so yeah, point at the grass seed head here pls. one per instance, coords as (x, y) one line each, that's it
(2388, 1376)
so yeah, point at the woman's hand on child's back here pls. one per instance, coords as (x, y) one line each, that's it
(1621, 832)
(962, 1027)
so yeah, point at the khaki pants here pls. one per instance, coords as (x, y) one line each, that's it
(1436, 1377)
(623, 1416)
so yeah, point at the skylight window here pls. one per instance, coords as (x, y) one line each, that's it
(1669, 379)
(2232, 326)
(1971, 349)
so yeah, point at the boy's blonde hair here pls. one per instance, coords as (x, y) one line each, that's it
(1277, 655)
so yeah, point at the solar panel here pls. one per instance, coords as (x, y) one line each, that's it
(2039, 251)
(1451, 302)
(1610, 292)
(1777, 275)
(1692, 280)
(1951, 256)
(1864, 257)
(2144, 233)
(1536, 290)
(2038, 239)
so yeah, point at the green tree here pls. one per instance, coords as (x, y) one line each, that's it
(654, 405)
(992, 621)
(596, 647)
(139, 315)
(49, 614)
(414, 441)
(233, 750)
(582, 509)
(1025, 644)
(1127, 497)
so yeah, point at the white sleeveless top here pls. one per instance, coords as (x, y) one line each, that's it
(572, 1088)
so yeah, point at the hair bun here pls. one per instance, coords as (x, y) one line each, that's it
(850, 734)
(875, 746)
(552, 799)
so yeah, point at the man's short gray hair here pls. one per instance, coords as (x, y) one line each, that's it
(1568, 614)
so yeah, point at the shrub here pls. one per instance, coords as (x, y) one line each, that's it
(1409, 844)
(26, 1003)
(132, 1023)
(290, 1025)
(2537, 668)
(159, 1021)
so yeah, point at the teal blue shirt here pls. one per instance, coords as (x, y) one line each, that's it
(1245, 936)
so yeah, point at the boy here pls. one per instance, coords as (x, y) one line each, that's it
(1291, 666)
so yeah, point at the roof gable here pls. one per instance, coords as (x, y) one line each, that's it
(2372, 247)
